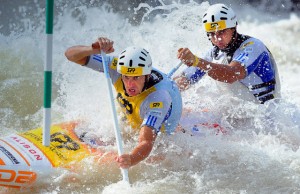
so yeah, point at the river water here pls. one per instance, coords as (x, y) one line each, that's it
(258, 154)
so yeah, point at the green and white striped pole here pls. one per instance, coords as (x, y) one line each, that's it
(48, 73)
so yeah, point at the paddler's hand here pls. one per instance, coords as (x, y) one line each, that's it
(103, 44)
(124, 161)
(182, 82)
(186, 56)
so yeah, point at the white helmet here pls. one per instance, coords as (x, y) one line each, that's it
(219, 17)
(134, 61)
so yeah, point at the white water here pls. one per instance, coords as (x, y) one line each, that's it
(257, 155)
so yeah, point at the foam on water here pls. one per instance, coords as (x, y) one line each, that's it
(258, 154)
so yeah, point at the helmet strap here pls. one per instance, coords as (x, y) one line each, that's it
(233, 38)
(124, 87)
(147, 78)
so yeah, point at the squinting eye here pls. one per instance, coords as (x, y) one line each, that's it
(125, 77)
(214, 34)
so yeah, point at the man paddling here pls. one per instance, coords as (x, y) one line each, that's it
(242, 62)
(150, 101)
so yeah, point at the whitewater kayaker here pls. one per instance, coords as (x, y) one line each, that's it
(150, 101)
(243, 62)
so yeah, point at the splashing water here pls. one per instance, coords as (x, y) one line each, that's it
(259, 152)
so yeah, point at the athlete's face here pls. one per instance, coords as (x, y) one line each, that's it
(133, 84)
(221, 38)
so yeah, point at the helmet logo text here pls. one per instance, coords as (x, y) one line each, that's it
(214, 25)
(130, 70)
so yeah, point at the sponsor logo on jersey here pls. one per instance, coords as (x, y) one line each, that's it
(249, 49)
(247, 44)
(156, 113)
(156, 105)
(242, 57)
(114, 63)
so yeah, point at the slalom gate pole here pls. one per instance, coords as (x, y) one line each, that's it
(48, 73)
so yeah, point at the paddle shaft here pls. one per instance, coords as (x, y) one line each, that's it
(174, 69)
(113, 108)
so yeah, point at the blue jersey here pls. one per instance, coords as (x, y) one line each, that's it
(261, 80)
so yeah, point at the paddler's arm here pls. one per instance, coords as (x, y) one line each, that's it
(79, 54)
(141, 151)
(223, 73)
(230, 73)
